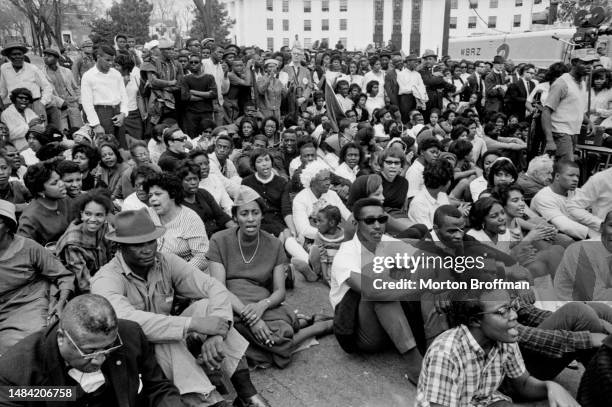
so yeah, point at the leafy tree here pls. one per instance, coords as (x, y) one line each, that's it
(211, 20)
(132, 17)
(103, 31)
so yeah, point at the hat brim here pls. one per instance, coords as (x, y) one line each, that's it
(159, 232)
(5, 51)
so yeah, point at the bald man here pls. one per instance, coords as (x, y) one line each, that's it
(104, 360)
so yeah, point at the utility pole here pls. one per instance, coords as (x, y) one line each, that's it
(446, 26)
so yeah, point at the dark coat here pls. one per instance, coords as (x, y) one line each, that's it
(515, 98)
(36, 361)
(392, 87)
(495, 96)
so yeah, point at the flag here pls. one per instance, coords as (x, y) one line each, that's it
(334, 110)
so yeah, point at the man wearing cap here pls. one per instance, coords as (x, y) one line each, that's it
(411, 88)
(103, 94)
(66, 93)
(213, 66)
(19, 74)
(84, 62)
(300, 83)
(434, 82)
(28, 271)
(565, 110)
(495, 86)
(164, 75)
(142, 285)
(271, 89)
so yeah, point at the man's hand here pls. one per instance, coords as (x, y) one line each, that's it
(35, 121)
(213, 352)
(262, 333)
(99, 130)
(597, 339)
(118, 120)
(551, 146)
(559, 397)
(209, 326)
(464, 208)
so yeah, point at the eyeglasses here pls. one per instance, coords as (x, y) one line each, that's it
(371, 220)
(392, 162)
(181, 139)
(194, 62)
(504, 311)
(96, 354)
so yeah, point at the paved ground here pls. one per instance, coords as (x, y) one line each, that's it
(324, 375)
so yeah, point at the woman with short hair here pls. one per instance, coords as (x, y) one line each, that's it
(19, 117)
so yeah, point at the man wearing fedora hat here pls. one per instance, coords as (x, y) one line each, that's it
(495, 86)
(434, 82)
(20, 74)
(142, 284)
(66, 93)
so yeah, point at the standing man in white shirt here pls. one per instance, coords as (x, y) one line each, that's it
(19, 74)
(103, 94)
(213, 66)
(412, 92)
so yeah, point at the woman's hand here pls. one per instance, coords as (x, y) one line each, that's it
(253, 312)
(262, 333)
(542, 231)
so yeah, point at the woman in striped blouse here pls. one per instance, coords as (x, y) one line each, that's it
(185, 231)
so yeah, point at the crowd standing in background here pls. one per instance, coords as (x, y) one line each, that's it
(161, 201)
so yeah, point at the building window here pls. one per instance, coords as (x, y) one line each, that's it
(517, 20)
(325, 40)
(270, 5)
(472, 22)
(270, 24)
(518, 3)
(307, 42)
(325, 25)
(454, 4)
(307, 6)
(493, 3)
(343, 41)
(285, 25)
(307, 26)
(343, 23)
(285, 42)
(537, 1)
(285, 6)
(473, 3)
(343, 5)
(271, 43)
(492, 21)
(453, 23)
(325, 5)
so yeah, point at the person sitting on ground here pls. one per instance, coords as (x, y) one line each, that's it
(465, 170)
(486, 330)
(28, 272)
(326, 244)
(584, 271)
(207, 322)
(480, 184)
(71, 176)
(87, 159)
(111, 167)
(256, 281)
(596, 382)
(551, 201)
(105, 361)
(538, 176)
(174, 139)
(437, 177)
(369, 320)
(593, 201)
(139, 156)
(139, 198)
(83, 248)
(12, 191)
(429, 149)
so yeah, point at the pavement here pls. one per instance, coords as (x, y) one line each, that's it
(326, 376)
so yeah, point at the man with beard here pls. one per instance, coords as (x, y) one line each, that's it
(566, 106)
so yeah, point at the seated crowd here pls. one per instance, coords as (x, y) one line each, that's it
(168, 238)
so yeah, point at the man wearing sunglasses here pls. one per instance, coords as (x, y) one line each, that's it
(376, 319)
(466, 365)
(104, 361)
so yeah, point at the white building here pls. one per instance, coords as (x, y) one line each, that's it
(472, 17)
(414, 25)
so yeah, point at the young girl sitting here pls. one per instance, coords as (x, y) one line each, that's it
(327, 242)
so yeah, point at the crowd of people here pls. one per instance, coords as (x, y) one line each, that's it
(156, 204)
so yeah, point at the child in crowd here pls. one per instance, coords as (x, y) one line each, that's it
(327, 242)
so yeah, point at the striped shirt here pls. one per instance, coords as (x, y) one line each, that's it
(457, 372)
(185, 236)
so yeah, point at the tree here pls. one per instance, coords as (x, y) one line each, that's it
(103, 31)
(13, 23)
(211, 20)
(45, 18)
(132, 17)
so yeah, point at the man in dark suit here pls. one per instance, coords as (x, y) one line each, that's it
(518, 91)
(391, 86)
(476, 84)
(107, 362)
(434, 82)
(496, 86)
